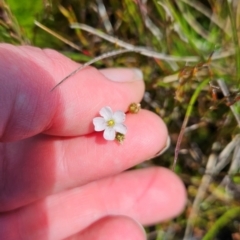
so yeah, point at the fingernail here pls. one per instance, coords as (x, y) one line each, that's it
(165, 148)
(123, 74)
(142, 228)
(162, 150)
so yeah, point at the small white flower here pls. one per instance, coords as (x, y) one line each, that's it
(111, 123)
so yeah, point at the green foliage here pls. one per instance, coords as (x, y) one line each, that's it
(26, 12)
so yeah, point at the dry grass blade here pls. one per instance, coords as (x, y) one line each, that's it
(170, 78)
(148, 52)
(207, 178)
(224, 159)
(69, 43)
(235, 164)
(155, 30)
(69, 14)
(104, 16)
(226, 93)
(103, 56)
(142, 50)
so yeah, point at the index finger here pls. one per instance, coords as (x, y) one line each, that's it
(29, 107)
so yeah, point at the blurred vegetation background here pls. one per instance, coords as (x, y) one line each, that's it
(189, 53)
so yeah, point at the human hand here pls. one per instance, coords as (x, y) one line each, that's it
(59, 178)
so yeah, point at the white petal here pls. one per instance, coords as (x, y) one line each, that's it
(121, 128)
(109, 134)
(119, 116)
(99, 124)
(106, 113)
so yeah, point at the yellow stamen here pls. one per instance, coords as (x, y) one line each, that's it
(110, 123)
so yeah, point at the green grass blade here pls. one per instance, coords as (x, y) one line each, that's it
(186, 118)
(229, 216)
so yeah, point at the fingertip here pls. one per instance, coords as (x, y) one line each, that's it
(148, 131)
(176, 189)
(114, 228)
(167, 195)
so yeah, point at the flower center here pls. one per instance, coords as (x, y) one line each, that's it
(110, 123)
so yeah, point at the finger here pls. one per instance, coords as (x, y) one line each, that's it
(114, 228)
(28, 106)
(44, 165)
(146, 195)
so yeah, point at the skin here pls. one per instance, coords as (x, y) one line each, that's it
(59, 178)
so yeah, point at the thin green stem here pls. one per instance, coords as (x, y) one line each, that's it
(186, 118)
(221, 222)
